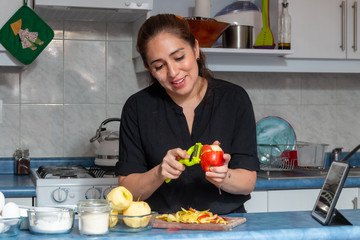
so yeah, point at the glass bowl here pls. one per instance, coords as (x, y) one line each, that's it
(10, 226)
(43, 220)
(122, 223)
(206, 30)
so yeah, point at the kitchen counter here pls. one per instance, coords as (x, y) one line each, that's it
(303, 183)
(277, 225)
(22, 185)
(17, 185)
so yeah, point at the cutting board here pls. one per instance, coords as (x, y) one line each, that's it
(233, 222)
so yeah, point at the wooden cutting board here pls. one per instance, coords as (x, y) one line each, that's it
(233, 222)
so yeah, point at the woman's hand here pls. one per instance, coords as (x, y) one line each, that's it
(170, 166)
(217, 175)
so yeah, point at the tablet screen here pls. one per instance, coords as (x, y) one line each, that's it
(330, 191)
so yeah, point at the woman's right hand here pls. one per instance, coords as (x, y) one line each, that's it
(170, 168)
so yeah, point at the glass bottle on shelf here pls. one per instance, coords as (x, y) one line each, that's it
(284, 36)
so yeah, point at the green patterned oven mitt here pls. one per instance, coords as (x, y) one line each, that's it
(25, 35)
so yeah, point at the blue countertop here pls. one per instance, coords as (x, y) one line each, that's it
(22, 185)
(17, 185)
(277, 225)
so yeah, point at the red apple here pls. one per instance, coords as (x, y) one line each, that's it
(211, 155)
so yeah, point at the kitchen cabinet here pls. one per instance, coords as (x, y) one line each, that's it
(352, 30)
(324, 29)
(297, 200)
(258, 202)
(26, 201)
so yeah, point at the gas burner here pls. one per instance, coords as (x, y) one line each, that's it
(64, 171)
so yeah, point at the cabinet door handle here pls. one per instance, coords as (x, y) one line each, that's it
(343, 22)
(355, 26)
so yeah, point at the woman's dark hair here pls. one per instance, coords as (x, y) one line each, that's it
(169, 23)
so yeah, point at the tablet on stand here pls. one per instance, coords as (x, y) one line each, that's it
(324, 210)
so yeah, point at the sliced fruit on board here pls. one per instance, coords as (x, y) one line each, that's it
(233, 222)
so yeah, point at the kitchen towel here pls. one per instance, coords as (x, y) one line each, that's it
(25, 35)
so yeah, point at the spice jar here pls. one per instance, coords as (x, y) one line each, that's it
(22, 161)
(93, 216)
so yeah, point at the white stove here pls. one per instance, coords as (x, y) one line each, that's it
(66, 185)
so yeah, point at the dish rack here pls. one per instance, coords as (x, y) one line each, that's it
(290, 156)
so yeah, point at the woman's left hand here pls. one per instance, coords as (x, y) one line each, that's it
(217, 175)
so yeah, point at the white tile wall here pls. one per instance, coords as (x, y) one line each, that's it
(85, 75)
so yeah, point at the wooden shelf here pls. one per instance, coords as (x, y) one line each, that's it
(246, 52)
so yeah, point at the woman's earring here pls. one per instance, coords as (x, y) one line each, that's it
(198, 59)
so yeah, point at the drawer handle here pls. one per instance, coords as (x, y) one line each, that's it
(343, 22)
(355, 26)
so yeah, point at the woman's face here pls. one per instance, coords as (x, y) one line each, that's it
(172, 61)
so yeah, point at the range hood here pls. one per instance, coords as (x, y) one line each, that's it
(93, 10)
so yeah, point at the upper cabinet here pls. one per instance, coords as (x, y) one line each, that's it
(325, 29)
(352, 29)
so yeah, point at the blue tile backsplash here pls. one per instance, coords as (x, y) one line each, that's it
(85, 75)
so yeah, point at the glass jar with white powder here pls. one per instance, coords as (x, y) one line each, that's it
(93, 216)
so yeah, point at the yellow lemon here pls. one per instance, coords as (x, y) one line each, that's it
(120, 198)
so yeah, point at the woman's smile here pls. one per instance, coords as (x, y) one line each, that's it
(179, 82)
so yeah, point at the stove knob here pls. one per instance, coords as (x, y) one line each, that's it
(93, 193)
(106, 191)
(59, 195)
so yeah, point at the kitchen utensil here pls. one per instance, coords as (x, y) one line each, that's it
(93, 216)
(233, 222)
(121, 223)
(194, 152)
(238, 36)
(51, 220)
(336, 154)
(10, 226)
(202, 8)
(265, 39)
(311, 154)
(106, 144)
(206, 30)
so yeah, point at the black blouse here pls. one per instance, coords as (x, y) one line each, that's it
(152, 124)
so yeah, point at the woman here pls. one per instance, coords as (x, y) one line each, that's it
(183, 106)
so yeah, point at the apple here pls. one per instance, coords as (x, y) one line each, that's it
(120, 198)
(139, 208)
(113, 218)
(211, 155)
